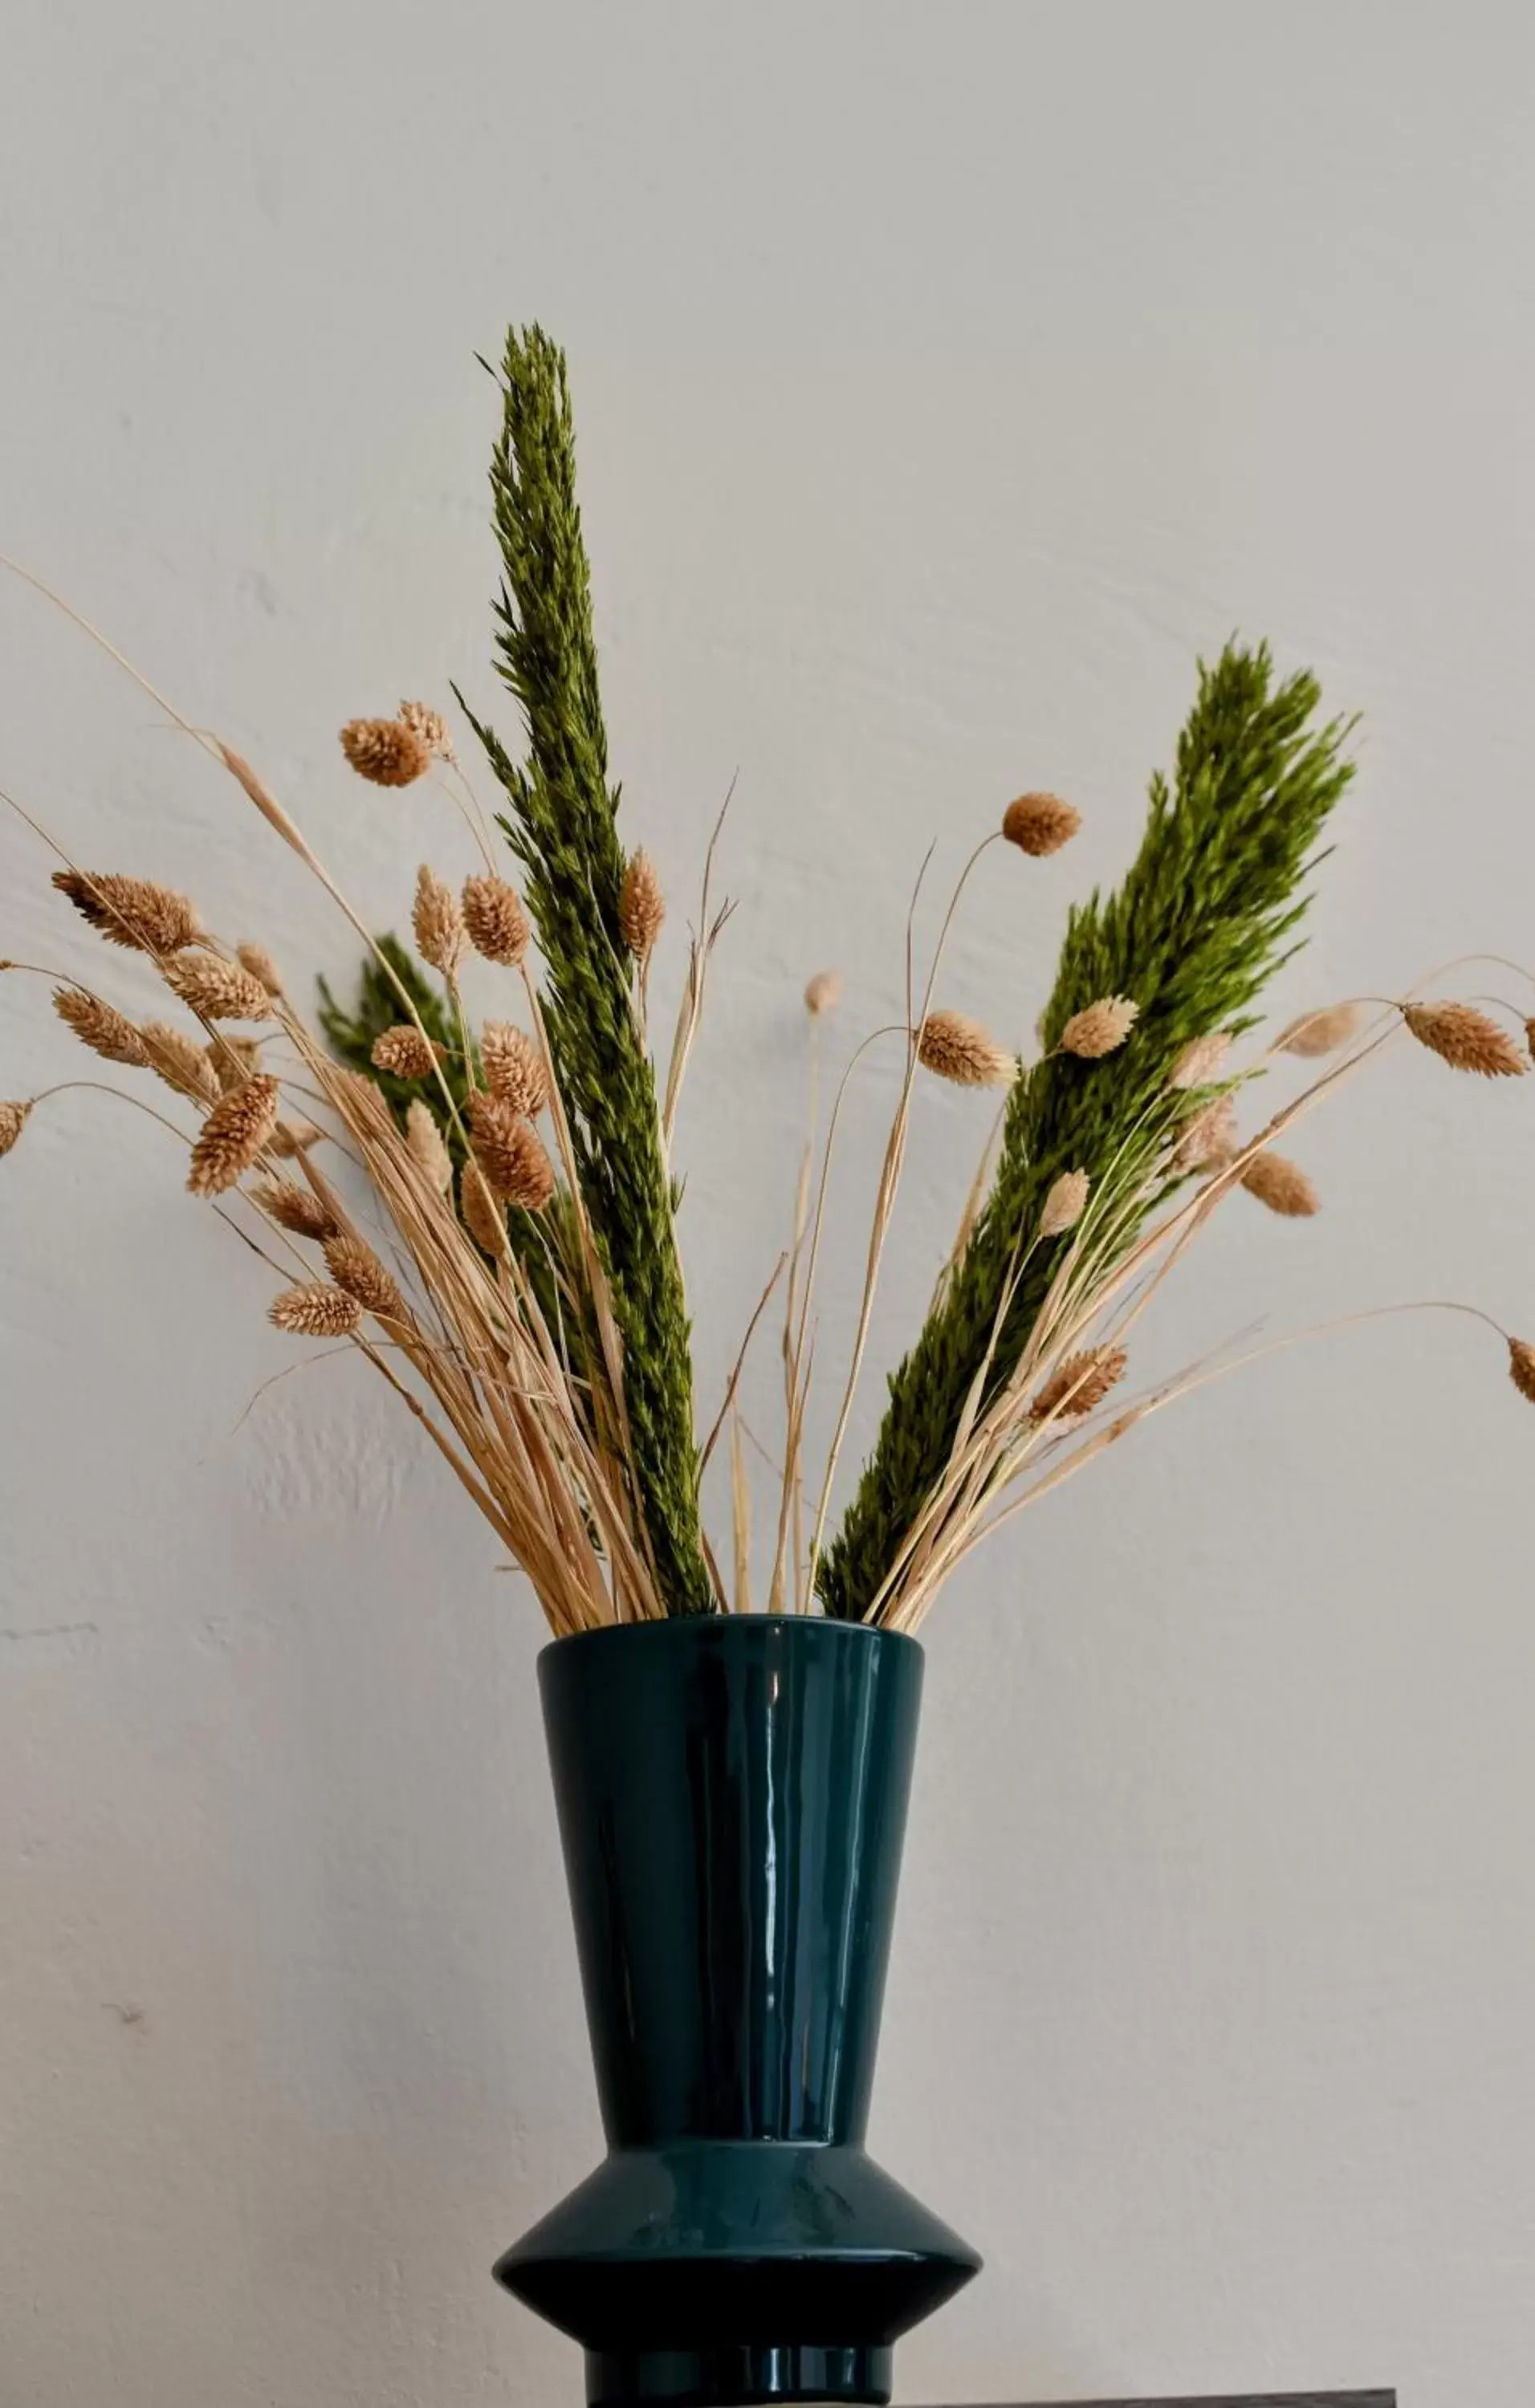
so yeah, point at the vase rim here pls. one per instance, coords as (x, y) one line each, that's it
(807, 1628)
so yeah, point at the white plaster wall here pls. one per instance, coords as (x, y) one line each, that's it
(947, 377)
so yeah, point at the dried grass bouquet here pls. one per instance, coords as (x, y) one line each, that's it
(525, 1299)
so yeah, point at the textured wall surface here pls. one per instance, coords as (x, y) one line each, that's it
(947, 379)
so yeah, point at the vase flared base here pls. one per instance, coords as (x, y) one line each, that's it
(750, 2374)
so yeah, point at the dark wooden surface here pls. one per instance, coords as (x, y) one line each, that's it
(1244, 2399)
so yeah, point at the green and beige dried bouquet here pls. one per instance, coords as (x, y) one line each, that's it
(489, 1214)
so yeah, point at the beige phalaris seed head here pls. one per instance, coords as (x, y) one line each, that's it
(1316, 1033)
(294, 1208)
(437, 922)
(234, 1136)
(511, 1153)
(386, 752)
(1283, 1185)
(1101, 1029)
(425, 1145)
(217, 990)
(357, 1269)
(495, 920)
(1521, 1367)
(313, 1310)
(259, 962)
(131, 911)
(823, 993)
(1065, 1204)
(405, 1053)
(482, 1216)
(514, 1067)
(1078, 1385)
(175, 1058)
(1039, 824)
(233, 1060)
(641, 906)
(101, 1026)
(1465, 1038)
(1201, 1062)
(430, 725)
(955, 1047)
(14, 1117)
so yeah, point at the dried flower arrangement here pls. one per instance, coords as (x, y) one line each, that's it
(535, 1321)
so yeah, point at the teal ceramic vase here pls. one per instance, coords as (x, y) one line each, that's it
(732, 1796)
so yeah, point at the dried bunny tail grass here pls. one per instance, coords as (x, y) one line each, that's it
(955, 1047)
(511, 1153)
(824, 993)
(259, 962)
(13, 1120)
(495, 920)
(1066, 1203)
(1201, 1062)
(1209, 1141)
(294, 1208)
(129, 910)
(315, 1311)
(181, 1064)
(235, 1134)
(217, 990)
(1465, 1038)
(386, 752)
(1316, 1033)
(405, 1053)
(430, 725)
(426, 1147)
(1080, 1383)
(233, 1060)
(1101, 1029)
(437, 922)
(1521, 1367)
(1283, 1185)
(1039, 824)
(290, 1138)
(641, 906)
(101, 1026)
(481, 1215)
(357, 1269)
(514, 1067)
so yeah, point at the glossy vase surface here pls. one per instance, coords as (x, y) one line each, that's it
(732, 1796)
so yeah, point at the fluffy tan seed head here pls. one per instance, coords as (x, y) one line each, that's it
(357, 1269)
(1283, 1185)
(294, 1208)
(217, 990)
(235, 1134)
(259, 962)
(1316, 1033)
(1039, 824)
(405, 1053)
(233, 1059)
(315, 1311)
(1465, 1038)
(1065, 1204)
(1208, 1142)
(13, 1120)
(430, 726)
(181, 1064)
(484, 1217)
(514, 1067)
(437, 922)
(386, 752)
(100, 1026)
(1521, 1367)
(824, 993)
(1082, 1382)
(293, 1137)
(641, 906)
(511, 1153)
(1200, 1062)
(1102, 1028)
(953, 1046)
(129, 910)
(495, 920)
(425, 1142)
